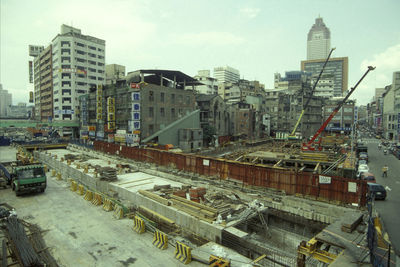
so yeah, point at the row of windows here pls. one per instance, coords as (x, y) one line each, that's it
(162, 97)
(162, 112)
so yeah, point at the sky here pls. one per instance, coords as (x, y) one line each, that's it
(257, 37)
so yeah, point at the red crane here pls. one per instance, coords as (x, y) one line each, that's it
(308, 146)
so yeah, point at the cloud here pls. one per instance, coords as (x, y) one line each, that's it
(209, 39)
(386, 63)
(249, 12)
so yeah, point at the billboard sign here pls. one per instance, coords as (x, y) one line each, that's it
(35, 50)
(30, 72)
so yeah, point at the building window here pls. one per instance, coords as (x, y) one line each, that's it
(187, 100)
(162, 112)
(173, 98)
(151, 96)
(173, 113)
(151, 112)
(180, 99)
(151, 129)
(162, 96)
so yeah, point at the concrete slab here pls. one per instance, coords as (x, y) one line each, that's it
(141, 181)
(205, 251)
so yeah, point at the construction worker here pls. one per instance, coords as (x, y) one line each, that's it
(385, 170)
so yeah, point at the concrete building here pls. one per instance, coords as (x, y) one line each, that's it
(336, 68)
(151, 103)
(114, 72)
(283, 106)
(78, 64)
(43, 85)
(5, 101)
(21, 110)
(344, 119)
(318, 41)
(213, 113)
(391, 109)
(226, 74)
(237, 91)
(241, 120)
(208, 86)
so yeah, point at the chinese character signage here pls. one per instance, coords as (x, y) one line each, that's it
(135, 96)
(135, 85)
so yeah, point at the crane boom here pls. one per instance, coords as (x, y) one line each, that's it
(337, 108)
(312, 92)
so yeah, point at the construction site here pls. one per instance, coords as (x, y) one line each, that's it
(248, 205)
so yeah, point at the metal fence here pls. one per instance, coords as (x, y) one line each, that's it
(339, 189)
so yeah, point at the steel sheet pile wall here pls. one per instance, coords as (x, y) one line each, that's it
(332, 188)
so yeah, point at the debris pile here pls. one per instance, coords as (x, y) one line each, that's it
(108, 174)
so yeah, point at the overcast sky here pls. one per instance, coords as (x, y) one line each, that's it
(257, 37)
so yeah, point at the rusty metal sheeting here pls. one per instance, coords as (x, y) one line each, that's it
(329, 188)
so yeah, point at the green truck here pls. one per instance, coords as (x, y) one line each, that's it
(23, 178)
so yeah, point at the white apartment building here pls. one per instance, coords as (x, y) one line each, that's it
(318, 41)
(78, 65)
(209, 84)
(5, 101)
(226, 74)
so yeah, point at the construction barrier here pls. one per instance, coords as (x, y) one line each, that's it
(81, 190)
(216, 261)
(97, 200)
(59, 176)
(138, 225)
(108, 205)
(74, 186)
(118, 212)
(53, 172)
(183, 253)
(160, 240)
(88, 195)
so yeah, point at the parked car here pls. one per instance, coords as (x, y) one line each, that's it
(377, 190)
(362, 162)
(361, 169)
(363, 156)
(369, 177)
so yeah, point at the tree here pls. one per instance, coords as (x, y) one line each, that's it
(208, 133)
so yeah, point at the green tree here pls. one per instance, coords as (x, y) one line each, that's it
(208, 133)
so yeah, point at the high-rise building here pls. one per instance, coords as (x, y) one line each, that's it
(78, 64)
(43, 85)
(5, 101)
(209, 84)
(336, 69)
(226, 74)
(318, 41)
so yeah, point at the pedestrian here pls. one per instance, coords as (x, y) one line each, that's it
(385, 170)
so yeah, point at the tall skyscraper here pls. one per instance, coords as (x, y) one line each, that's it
(318, 41)
(78, 64)
(226, 74)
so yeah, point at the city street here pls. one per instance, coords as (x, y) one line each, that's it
(389, 208)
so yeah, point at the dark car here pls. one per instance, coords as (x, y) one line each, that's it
(376, 190)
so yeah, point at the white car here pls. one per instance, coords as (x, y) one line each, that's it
(362, 168)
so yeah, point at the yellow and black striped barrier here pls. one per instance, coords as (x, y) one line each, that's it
(138, 225)
(160, 240)
(216, 261)
(118, 212)
(88, 195)
(183, 253)
(97, 200)
(74, 186)
(108, 205)
(81, 190)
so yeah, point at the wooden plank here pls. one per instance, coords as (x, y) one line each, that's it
(204, 213)
(155, 197)
(195, 204)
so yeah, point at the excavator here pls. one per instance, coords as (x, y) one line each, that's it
(310, 144)
(293, 136)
